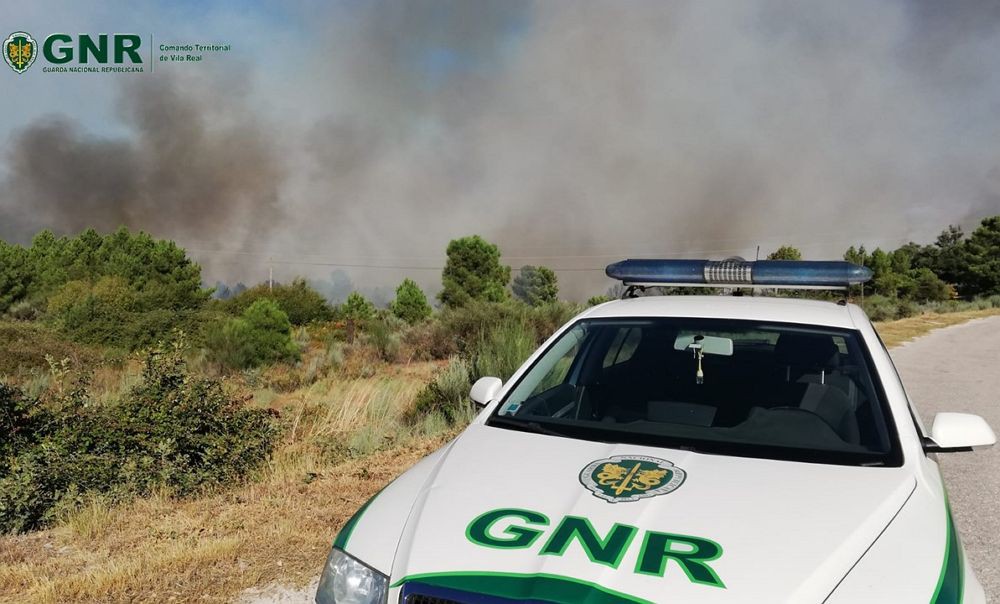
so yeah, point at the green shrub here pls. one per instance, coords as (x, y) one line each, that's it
(158, 273)
(410, 304)
(357, 308)
(24, 311)
(880, 308)
(261, 336)
(299, 301)
(172, 431)
(535, 285)
(447, 394)
(466, 324)
(19, 421)
(595, 300)
(24, 346)
(15, 274)
(546, 319)
(385, 338)
(906, 308)
(109, 313)
(430, 340)
(473, 272)
(502, 349)
(928, 287)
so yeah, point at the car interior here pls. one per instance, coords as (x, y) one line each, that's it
(779, 384)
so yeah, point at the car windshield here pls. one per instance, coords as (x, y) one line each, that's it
(777, 391)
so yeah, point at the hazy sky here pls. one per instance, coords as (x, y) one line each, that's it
(571, 133)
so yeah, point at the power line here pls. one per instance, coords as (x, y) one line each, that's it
(814, 241)
(393, 262)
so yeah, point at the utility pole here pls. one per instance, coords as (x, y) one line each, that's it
(270, 275)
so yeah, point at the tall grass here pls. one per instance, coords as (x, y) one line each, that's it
(347, 417)
(502, 349)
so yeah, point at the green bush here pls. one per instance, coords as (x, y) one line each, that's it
(15, 274)
(357, 308)
(384, 336)
(158, 273)
(109, 313)
(24, 346)
(410, 304)
(473, 272)
(19, 421)
(430, 340)
(299, 301)
(24, 311)
(447, 394)
(468, 323)
(880, 308)
(259, 337)
(927, 287)
(535, 285)
(172, 431)
(906, 308)
(501, 350)
(546, 319)
(498, 350)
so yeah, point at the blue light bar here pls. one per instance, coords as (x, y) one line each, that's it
(799, 274)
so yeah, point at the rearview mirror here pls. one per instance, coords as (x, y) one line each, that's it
(485, 390)
(707, 344)
(959, 432)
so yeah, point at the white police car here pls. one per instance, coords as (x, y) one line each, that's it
(679, 449)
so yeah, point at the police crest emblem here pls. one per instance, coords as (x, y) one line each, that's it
(19, 51)
(623, 478)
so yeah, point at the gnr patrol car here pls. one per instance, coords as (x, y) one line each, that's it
(710, 449)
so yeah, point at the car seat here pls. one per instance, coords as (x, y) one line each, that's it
(810, 364)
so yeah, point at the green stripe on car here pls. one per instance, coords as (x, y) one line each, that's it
(951, 583)
(345, 533)
(517, 586)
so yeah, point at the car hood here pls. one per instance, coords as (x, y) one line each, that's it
(785, 531)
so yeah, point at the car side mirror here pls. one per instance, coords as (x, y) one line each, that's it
(485, 390)
(959, 432)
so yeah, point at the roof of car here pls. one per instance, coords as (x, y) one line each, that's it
(754, 308)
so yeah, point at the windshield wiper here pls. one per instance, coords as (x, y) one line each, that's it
(526, 426)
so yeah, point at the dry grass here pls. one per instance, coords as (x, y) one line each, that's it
(896, 332)
(344, 441)
(207, 549)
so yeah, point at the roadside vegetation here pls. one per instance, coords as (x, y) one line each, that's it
(163, 441)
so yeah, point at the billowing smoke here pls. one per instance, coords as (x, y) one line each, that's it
(570, 133)
(185, 168)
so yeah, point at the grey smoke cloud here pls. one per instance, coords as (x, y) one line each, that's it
(184, 168)
(569, 133)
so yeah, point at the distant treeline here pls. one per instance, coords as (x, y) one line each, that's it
(953, 265)
(127, 290)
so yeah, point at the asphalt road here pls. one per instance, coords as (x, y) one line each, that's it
(958, 369)
(951, 369)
